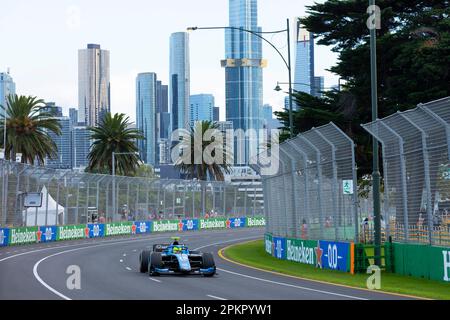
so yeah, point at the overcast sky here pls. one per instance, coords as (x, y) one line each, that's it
(40, 42)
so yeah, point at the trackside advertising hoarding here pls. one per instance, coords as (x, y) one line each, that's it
(72, 232)
(96, 230)
(219, 223)
(47, 234)
(255, 222)
(422, 261)
(167, 226)
(189, 224)
(321, 254)
(142, 227)
(119, 229)
(4, 237)
(235, 223)
(23, 235)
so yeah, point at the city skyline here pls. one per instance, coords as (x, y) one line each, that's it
(40, 74)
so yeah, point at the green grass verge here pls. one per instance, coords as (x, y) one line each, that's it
(253, 254)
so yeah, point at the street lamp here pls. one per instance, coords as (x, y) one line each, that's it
(287, 63)
(114, 154)
(376, 166)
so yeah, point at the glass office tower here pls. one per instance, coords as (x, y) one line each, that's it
(81, 145)
(63, 142)
(94, 89)
(146, 105)
(7, 87)
(244, 76)
(202, 108)
(304, 62)
(179, 80)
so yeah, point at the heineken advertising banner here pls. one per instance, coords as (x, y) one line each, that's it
(96, 230)
(255, 222)
(335, 255)
(190, 224)
(119, 229)
(4, 237)
(47, 234)
(320, 254)
(142, 227)
(167, 226)
(23, 235)
(302, 251)
(72, 232)
(268, 243)
(234, 223)
(216, 223)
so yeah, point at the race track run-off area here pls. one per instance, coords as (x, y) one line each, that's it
(109, 271)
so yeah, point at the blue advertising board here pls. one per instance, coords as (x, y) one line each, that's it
(335, 255)
(47, 234)
(279, 248)
(190, 224)
(142, 227)
(96, 230)
(237, 223)
(4, 236)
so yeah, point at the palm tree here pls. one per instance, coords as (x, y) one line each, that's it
(27, 127)
(114, 135)
(205, 169)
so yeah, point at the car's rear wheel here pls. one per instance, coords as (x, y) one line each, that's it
(155, 263)
(143, 260)
(208, 262)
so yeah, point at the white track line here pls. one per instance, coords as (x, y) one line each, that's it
(155, 280)
(129, 269)
(217, 298)
(291, 285)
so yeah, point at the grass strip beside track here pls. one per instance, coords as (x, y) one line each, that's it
(253, 254)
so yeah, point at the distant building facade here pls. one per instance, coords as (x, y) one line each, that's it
(7, 87)
(202, 108)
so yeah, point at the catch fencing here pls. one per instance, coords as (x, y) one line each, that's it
(72, 198)
(416, 154)
(314, 193)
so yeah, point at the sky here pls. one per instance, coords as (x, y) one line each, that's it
(40, 42)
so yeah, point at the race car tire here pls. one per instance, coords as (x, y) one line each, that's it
(154, 263)
(208, 262)
(143, 260)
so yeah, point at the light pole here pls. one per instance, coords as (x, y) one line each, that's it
(376, 165)
(286, 62)
(114, 154)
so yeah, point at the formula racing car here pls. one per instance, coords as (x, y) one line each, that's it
(176, 259)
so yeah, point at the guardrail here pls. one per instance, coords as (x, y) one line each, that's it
(42, 234)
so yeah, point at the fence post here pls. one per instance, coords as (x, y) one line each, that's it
(293, 195)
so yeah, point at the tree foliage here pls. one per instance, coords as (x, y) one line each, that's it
(114, 135)
(27, 127)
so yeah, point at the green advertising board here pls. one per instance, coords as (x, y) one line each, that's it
(118, 229)
(23, 235)
(165, 226)
(71, 232)
(255, 222)
(422, 261)
(301, 251)
(268, 243)
(220, 223)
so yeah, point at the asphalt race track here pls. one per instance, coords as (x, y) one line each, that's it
(109, 270)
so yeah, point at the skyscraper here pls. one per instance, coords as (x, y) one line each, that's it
(73, 115)
(94, 89)
(216, 114)
(53, 108)
(63, 142)
(179, 80)
(162, 110)
(244, 75)
(81, 145)
(146, 106)
(7, 87)
(304, 61)
(202, 108)
(319, 86)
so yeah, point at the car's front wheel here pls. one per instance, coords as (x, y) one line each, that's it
(155, 263)
(208, 263)
(143, 261)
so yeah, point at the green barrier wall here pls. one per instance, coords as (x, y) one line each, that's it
(422, 261)
(23, 235)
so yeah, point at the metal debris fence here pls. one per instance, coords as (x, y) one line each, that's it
(314, 194)
(416, 154)
(76, 198)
